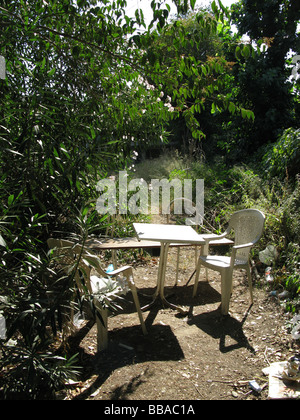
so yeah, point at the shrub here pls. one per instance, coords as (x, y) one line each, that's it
(282, 158)
(291, 214)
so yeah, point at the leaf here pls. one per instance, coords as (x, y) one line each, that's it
(238, 52)
(2, 241)
(246, 52)
(10, 199)
(51, 72)
(93, 134)
(231, 108)
(193, 2)
(43, 63)
(14, 152)
(214, 7)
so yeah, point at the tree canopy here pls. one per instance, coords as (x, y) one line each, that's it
(265, 81)
(82, 89)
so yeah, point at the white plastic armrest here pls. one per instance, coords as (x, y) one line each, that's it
(119, 270)
(236, 247)
(212, 236)
(209, 238)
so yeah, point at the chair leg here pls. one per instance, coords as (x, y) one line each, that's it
(129, 277)
(197, 278)
(226, 288)
(69, 326)
(250, 283)
(102, 334)
(177, 265)
(114, 258)
(196, 256)
(138, 309)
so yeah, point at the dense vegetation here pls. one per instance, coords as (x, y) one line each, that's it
(85, 87)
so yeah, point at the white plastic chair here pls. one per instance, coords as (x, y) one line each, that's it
(248, 227)
(104, 285)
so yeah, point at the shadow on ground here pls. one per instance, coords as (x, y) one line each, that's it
(128, 346)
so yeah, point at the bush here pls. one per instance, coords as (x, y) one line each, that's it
(282, 158)
(36, 300)
(33, 373)
(291, 214)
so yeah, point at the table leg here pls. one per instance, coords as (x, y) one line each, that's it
(102, 334)
(160, 276)
(161, 281)
(162, 268)
(165, 249)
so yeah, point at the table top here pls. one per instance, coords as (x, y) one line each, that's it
(167, 233)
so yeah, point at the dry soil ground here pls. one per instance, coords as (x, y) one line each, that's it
(200, 356)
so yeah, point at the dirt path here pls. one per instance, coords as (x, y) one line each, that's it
(198, 356)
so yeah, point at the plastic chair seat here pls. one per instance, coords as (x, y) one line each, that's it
(219, 261)
(103, 285)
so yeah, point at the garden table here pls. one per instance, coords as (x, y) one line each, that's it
(166, 235)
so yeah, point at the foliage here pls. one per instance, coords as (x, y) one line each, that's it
(196, 68)
(231, 188)
(74, 103)
(264, 81)
(85, 89)
(36, 301)
(35, 374)
(282, 158)
(71, 103)
(291, 213)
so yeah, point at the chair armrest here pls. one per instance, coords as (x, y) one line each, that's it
(128, 275)
(209, 238)
(119, 270)
(236, 247)
(212, 236)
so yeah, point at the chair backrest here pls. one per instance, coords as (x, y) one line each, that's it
(248, 227)
(67, 254)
